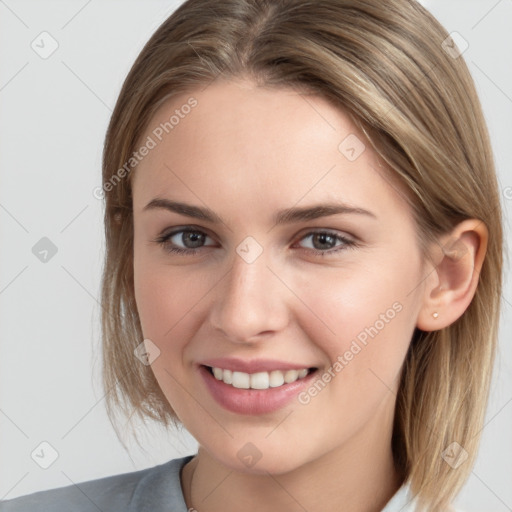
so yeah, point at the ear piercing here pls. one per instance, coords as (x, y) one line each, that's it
(435, 314)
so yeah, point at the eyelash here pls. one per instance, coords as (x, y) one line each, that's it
(164, 239)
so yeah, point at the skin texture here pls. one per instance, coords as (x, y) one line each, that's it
(246, 152)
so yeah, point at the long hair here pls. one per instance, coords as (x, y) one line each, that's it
(393, 68)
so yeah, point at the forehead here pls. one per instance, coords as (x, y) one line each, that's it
(235, 143)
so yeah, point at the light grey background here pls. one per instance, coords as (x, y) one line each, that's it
(54, 114)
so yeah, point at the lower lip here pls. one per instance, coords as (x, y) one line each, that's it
(253, 401)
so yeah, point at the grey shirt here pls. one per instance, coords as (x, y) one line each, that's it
(155, 489)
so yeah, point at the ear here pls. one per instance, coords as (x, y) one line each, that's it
(452, 281)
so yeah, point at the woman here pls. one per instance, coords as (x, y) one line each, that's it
(303, 264)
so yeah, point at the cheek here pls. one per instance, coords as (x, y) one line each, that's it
(163, 298)
(372, 330)
(166, 302)
(365, 316)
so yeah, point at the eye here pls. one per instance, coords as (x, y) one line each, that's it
(324, 242)
(191, 239)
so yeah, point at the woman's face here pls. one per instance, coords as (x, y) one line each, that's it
(272, 275)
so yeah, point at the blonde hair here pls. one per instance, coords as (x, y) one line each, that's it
(387, 65)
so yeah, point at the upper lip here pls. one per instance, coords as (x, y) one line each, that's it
(253, 365)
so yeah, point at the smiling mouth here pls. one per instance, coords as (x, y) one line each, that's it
(259, 380)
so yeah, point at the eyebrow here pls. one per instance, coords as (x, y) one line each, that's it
(286, 216)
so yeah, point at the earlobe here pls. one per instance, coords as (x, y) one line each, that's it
(452, 281)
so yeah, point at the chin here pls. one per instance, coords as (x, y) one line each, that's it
(255, 461)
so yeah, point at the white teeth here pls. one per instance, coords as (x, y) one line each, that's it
(259, 380)
(276, 379)
(241, 380)
(291, 376)
(226, 376)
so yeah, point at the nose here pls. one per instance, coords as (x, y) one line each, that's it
(250, 303)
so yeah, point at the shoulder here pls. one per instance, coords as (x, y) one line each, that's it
(146, 489)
